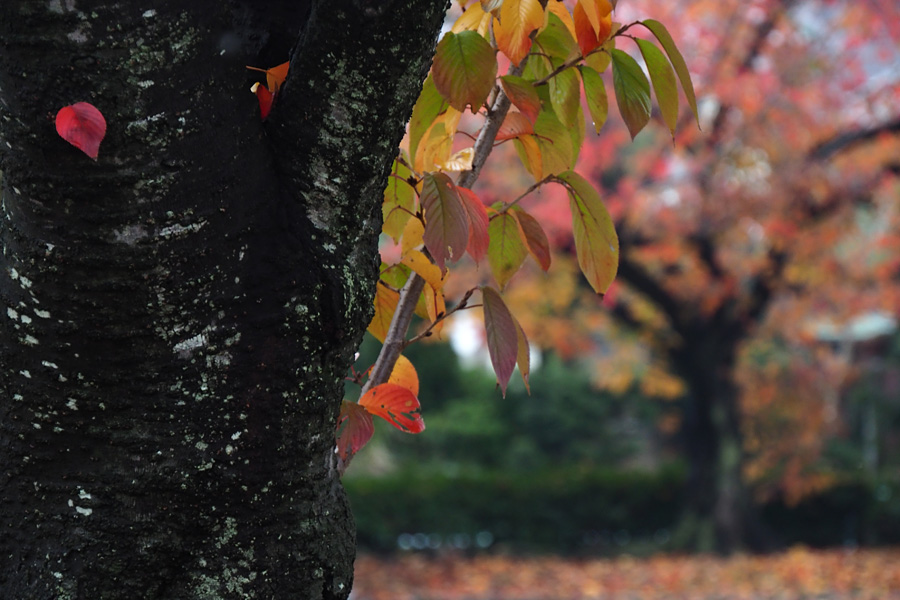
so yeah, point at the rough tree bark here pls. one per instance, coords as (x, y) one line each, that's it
(176, 318)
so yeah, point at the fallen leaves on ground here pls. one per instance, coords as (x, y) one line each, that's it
(796, 574)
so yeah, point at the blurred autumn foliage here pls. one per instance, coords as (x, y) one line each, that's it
(797, 574)
(740, 245)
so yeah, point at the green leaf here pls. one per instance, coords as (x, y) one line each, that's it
(556, 41)
(663, 79)
(632, 92)
(596, 242)
(535, 238)
(446, 222)
(595, 94)
(506, 251)
(394, 275)
(502, 337)
(555, 143)
(565, 95)
(464, 69)
(668, 44)
(399, 201)
(599, 61)
(522, 94)
(576, 132)
(429, 105)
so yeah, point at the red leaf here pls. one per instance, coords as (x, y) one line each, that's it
(478, 223)
(516, 124)
(83, 126)
(535, 237)
(354, 429)
(395, 404)
(446, 221)
(502, 335)
(265, 98)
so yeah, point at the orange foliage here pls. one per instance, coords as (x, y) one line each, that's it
(793, 575)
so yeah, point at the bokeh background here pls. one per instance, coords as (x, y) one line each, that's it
(738, 389)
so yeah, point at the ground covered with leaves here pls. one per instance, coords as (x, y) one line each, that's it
(796, 574)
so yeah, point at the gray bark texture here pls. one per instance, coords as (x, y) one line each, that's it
(177, 317)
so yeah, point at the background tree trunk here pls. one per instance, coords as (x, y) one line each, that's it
(177, 317)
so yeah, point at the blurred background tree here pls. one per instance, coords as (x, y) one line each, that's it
(750, 253)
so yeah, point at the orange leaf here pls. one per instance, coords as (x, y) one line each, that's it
(514, 125)
(83, 126)
(535, 238)
(521, 92)
(395, 404)
(404, 374)
(593, 23)
(274, 76)
(518, 18)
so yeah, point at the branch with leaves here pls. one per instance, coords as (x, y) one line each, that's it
(554, 53)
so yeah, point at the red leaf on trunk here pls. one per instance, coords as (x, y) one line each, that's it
(354, 429)
(83, 126)
(265, 98)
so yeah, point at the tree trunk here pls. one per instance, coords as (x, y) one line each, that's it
(719, 514)
(177, 317)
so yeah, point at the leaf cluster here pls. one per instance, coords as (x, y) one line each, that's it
(556, 57)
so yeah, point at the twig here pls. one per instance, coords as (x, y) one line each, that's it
(463, 305)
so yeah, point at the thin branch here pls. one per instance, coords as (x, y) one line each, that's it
(463, 305)
(533, 187)
(395, 340)
(396, 335)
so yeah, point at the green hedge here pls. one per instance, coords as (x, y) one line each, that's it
(558, 511)
(595, 511)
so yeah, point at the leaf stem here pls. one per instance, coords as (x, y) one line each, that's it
(533, 187)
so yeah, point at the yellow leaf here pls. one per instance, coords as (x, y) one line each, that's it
(532, 154)
(404, 374)
(430, 272)
(386, 301)
(518, 18)
(413, 235)
(437, 142)
(434, 304)
(460, 161)
(474, 19)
